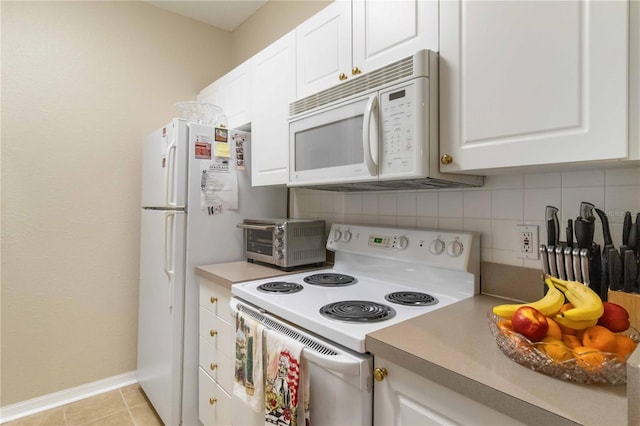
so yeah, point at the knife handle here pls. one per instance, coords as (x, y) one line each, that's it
(551, 254)
(575, 255)
(568, 266)
(584, 264)
(560, 263)
(544, 258)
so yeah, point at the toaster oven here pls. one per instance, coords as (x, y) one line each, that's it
(284, 243)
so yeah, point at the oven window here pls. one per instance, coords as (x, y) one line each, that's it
(338, 143)
(259, 242)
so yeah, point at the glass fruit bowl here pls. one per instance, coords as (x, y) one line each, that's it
(199, 112)
(590, 367)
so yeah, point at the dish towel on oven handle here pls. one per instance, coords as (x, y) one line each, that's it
(248, 375)
(286, 381)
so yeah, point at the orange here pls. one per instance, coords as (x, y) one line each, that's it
(554, 329)
(625, 346)
(505, 326)
(566, 307)
(589, 358)
(557, 350)
(571, 341)
(600, 338)
(567, 330)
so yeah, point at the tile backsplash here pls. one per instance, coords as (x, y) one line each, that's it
(494, 210)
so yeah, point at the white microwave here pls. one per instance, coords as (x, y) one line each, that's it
(378, 131)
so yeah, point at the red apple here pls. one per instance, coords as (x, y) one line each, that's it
(615, 317)
(531, 323)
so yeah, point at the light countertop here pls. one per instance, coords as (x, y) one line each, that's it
(453, 346)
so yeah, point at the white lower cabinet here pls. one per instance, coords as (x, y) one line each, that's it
(214, 406)
(216, 355)
(405, 398)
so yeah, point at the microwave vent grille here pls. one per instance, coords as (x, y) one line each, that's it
(428, 183)
(392, 73)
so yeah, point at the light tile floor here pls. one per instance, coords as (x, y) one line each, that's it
(127, 406)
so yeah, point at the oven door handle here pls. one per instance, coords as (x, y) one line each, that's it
(338, 363)
(256, 227)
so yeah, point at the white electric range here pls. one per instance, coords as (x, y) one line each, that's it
(381, 276)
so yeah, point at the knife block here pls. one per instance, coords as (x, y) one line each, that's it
(631, 302)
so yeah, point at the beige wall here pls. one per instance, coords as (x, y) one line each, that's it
(82, 82)
(273, 20)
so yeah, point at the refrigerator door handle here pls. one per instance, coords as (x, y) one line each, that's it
(169, 252)
(170, 190)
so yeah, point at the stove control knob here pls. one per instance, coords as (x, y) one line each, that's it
(278, 243)
(278, 230)
(279, 254)
(402, 243)
(337, 234)
(455, 248)
(347, 236)
(436, 247)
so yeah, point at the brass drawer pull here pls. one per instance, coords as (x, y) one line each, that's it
(380, 373)
(213, 333)
(212, 401)
(342, 76)
(213, 366)
(213, 299)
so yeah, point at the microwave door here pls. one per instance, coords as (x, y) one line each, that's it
(335, 145)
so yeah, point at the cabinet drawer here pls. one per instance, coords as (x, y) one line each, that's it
(215, 298)
(217, 332)
(214, 406)
(217, 365)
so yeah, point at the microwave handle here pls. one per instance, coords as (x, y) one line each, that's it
(256, 227)
(366, 142)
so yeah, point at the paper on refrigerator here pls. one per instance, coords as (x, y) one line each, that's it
(218, 181)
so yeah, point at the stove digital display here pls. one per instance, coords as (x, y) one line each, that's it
(380, 241)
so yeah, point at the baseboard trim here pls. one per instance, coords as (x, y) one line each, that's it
(66, 396)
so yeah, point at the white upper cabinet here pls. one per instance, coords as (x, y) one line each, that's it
(232, 92)
(533, 82)
(273, 87)
(348, 38)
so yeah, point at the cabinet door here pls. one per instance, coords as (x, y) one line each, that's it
(232, 93)
(237, 86)
(273, 88)
(532, 82)
(385, 31)
(404, 398)
(323, 47)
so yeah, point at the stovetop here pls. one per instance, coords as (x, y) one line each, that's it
(375, 275)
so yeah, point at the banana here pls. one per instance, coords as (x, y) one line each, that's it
(587, 303)
(549, 305)
(574, 324)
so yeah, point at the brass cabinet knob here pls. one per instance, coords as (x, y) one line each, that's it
(342, 76)
(214, 299)
(380, 373)
(213, 366)
(212, 401)
(446, 159)
(356, 71)
(213, 332)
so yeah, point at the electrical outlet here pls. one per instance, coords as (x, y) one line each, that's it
(528, 241)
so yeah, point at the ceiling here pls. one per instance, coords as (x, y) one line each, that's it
(224, 14)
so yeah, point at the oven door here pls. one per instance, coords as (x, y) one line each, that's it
(258, 242)
(335, 145)
(340, 380)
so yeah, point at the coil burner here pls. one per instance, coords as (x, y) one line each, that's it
(357, 311)
(330, 279)
(281, 287)
(411, 298)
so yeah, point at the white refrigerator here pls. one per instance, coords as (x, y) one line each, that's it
(187, 220)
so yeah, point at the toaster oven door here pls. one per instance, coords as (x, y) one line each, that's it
(337, 144)
(258, 241)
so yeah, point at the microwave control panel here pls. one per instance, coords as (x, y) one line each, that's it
(401, 112)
